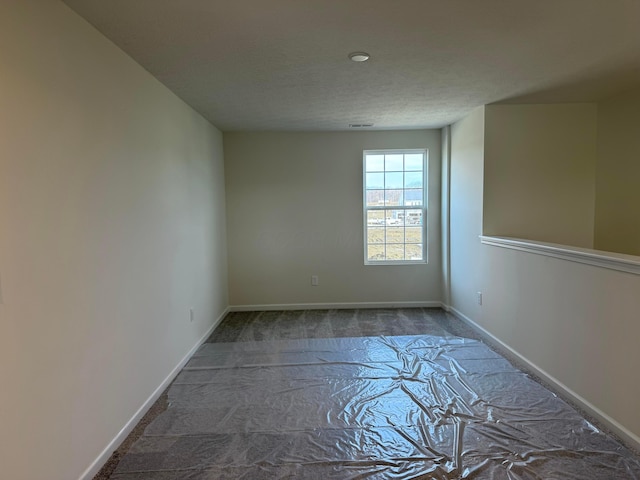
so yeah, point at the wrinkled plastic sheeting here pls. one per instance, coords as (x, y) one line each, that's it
(378, 408)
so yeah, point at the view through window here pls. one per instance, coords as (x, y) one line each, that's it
(394, 206)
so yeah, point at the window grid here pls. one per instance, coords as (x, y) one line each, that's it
(394, 206)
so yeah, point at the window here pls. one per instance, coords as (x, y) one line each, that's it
(395, 214)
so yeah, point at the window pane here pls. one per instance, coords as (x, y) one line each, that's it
(414, 252)
(412, 180)
(395, 235)
(375, 235)
(395, 218)
(413, 235)
(375, 217)
(393, 180)
(393, 197)
(413, 217)
(375, 181)
(375, 198)
(393, 163)
(413, 197)
(375, 252)
(375, 163)
(395, 252)
(413, 161)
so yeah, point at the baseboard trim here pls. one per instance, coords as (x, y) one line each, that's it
(97, 464)
(333, 306)
(613, 425)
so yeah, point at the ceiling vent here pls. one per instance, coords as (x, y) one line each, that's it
(360, 125)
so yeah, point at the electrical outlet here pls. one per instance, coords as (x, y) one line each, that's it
(315, 280)
(191, 315)
(479, 298)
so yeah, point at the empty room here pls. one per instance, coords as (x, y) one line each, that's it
(319, 239)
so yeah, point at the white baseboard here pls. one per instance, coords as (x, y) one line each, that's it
(333, 306)
(97, 464)
(616, 427)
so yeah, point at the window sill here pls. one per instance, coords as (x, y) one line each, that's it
(390, 263)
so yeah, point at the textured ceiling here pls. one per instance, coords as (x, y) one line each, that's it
(282, 64)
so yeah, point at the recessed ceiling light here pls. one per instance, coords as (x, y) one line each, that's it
(359, 56)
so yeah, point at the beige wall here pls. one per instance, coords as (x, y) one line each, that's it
(540, 172)
(467, 171)
(112, 226)
(575, 322)
(295, 210)
(445, 212)
(617, 219)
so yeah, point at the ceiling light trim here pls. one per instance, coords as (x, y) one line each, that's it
(359, 57)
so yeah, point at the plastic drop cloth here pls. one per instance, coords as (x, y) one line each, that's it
(414, 407)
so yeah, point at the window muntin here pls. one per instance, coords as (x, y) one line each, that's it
(394, 206)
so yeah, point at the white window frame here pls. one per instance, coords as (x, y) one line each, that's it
(423, 207)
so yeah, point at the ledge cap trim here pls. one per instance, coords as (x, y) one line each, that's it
(596, 258)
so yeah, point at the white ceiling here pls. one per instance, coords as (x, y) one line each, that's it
(282, 64)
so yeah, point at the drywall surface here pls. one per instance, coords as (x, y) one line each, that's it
(445, 208)
(579, 323)
(467, 163)
(576, 322)
(112, 226)
(617, 224)
(294, 209)
(539, 171)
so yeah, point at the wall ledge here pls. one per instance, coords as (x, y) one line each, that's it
(596, 258)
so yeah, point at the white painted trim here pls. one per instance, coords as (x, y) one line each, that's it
(616, 427)
(98, 463)
(332, 306)
(597, 258)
